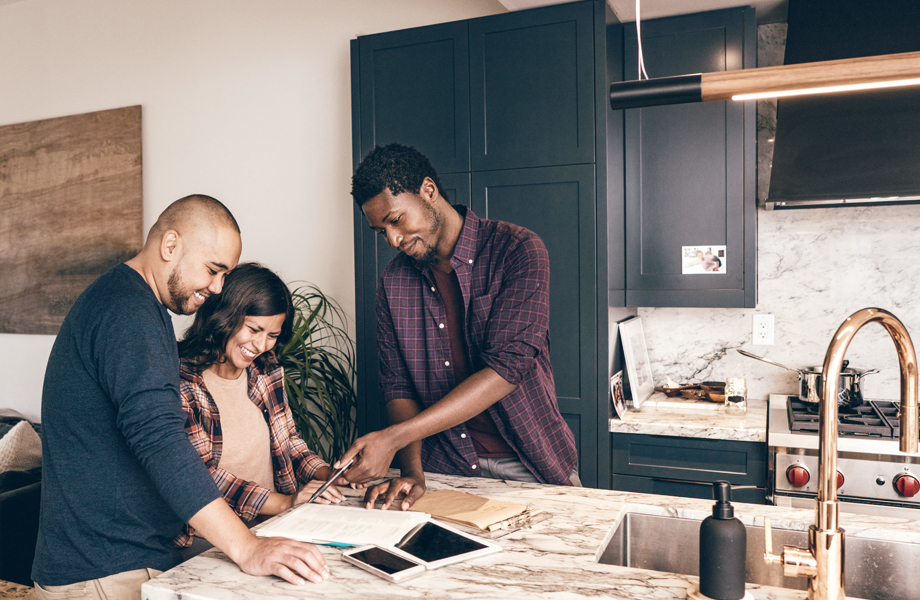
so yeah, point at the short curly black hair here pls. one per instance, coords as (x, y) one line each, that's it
(395, 167)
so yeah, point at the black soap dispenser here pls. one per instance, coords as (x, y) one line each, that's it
(723, 543)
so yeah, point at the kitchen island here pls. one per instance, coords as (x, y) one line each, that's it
(556, 558)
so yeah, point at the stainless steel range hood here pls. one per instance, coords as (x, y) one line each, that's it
(848, 149)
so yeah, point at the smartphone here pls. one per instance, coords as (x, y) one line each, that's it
(384, 562)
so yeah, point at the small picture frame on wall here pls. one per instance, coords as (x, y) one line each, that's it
(638, 366)
(704, 260)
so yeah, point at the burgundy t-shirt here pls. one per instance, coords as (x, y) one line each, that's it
(486, 439)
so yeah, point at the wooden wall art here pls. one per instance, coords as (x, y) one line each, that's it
(71, 207)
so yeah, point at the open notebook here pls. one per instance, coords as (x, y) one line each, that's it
(344, 525)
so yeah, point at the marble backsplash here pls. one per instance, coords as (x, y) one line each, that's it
(816, 267)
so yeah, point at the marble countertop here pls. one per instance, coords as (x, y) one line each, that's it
(556, 558)
(660, 415)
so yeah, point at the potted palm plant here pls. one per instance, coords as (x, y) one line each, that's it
(319, 373)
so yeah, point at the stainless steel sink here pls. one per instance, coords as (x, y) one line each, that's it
(875, 568)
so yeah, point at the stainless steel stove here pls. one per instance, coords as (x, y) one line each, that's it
(873, 476)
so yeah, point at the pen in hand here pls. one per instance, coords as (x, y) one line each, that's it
(325, 486)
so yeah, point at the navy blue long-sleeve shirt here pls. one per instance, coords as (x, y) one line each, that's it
(119, 476)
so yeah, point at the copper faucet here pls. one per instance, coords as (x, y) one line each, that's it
(823, 561)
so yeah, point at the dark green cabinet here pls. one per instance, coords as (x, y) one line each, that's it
(678, 466)
(414, 89)
(690, 169)
(531, 100)
(554, 202)
(530, 86)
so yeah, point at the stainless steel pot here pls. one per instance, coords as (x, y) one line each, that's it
(848, 388)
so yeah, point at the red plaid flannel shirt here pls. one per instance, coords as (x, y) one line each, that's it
(503, 270)
(292, 462)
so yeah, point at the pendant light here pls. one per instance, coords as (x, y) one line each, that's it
(833, 76)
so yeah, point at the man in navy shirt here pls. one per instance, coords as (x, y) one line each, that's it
(463, 340)
(119, 476)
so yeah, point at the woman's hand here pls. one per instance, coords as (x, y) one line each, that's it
(332, 495)
(324, 473)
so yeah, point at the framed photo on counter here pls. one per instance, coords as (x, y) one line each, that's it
(638, 366)
(616, 395)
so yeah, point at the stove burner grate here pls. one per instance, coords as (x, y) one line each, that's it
(875, 418)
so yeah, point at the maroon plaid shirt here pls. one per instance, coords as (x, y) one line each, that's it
(504, 277)
(292, 460)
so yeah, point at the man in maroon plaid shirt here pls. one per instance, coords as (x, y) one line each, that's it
(463, 340)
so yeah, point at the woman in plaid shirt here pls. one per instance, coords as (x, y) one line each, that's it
(232, 390)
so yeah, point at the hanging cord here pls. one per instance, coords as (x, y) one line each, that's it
(639, 37)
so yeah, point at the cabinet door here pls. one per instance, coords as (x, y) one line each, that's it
(532, 88)
(372, 255)
(415, 91)
(557, 203)
(687, 466)
(690, 168)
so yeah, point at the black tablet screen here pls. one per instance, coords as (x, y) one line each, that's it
(431, 543)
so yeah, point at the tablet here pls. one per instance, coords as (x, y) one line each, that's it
(435, 545)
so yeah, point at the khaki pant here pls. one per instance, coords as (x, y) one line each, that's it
(120, 586)
(512, 468)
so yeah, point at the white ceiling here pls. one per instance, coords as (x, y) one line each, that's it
(768, 11)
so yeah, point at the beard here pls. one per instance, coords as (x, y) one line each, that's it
(430, 258)
(178, 296)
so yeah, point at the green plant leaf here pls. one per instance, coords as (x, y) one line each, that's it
(319, 373)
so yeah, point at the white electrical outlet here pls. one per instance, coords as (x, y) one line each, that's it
(763, 330)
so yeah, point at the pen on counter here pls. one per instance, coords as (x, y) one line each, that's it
(326, 485)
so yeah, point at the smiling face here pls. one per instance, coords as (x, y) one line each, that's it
(201, 270)
(257, 336)
(411, 223)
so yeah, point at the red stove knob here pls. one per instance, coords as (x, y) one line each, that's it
(839, 480)
(906, 485)
(797, 475)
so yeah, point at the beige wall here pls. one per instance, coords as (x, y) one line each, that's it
(245, 100)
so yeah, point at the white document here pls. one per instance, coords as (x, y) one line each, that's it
(322, 523)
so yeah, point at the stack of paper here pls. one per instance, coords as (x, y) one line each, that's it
(484, 514)
(346, 525)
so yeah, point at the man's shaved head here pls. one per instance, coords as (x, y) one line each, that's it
(192, 246)
(191, 213)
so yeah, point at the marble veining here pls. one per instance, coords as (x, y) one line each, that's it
(555, 559)
(651, 419)
(815, 268)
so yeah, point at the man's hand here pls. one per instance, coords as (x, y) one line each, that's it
(290, 560)
(295, 562)
(404, 489)
(376, 450)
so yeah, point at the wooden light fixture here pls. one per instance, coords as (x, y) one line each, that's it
(833, 76)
